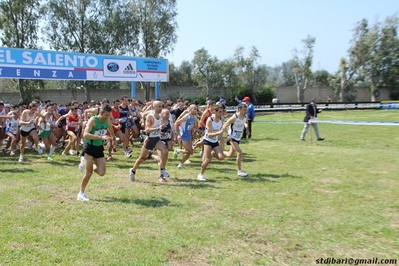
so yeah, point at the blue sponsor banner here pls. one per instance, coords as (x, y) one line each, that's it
(389, 105)
(38, 64)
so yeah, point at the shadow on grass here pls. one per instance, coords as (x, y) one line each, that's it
(18, 171)
(65, 163)
(150, 203)
(192, 183)
(257, 139)
(266, 177)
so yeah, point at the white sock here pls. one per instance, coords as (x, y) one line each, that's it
(52, 148)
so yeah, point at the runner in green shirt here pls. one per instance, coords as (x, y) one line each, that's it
(95, 133)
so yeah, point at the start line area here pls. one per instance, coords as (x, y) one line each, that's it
(337, 122)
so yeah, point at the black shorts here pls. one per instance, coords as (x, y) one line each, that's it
(234, 140)
(77, 132)
(25, 134)
(149, 143)
(94, 151)
(165, 141)
(212, 144)
(123, 127)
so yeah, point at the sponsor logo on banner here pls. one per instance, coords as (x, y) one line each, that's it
(120, 68)
(113, 67)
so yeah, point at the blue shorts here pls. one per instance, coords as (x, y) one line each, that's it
(130, 123)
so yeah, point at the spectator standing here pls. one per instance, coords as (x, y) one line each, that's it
(250, 115)
(311, 120)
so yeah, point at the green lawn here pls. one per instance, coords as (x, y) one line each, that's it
(302, 201)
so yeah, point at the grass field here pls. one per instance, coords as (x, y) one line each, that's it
(302, 201)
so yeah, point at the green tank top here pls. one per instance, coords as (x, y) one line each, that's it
(100, 129)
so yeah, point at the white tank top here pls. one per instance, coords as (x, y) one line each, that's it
(30, 126)
(12, 125)
(155, 123)
(46, 125)
(216, 126)
(235, 130)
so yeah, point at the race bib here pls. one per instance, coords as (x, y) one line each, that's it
(237, 134)
(100, 132)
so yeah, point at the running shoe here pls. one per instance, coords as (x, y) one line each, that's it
(132, 175)
(201, 177)
(82, 196)
(165, 173)
(242, 173)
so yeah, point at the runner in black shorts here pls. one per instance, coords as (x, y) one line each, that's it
(95, 133)
(153, 127)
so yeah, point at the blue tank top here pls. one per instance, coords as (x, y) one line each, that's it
(124, 111)
(185, 128)
(166, 132)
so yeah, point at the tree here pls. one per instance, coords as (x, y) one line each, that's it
(287, 72)
(88, 26)
(374, 54)
(302, 70)
(274, 76)
(19, 21)
(250, 74)
(182, 75)
(156, 28)
(320, 78)
(207, 70)
(342, 83)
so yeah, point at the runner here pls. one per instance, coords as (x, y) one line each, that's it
(12, 130)
(74, 125)
(28, 128)
(236, 124)
(46, 132)
(153, 127)
(115, 118)
(211, 140)
(95, 133)
(168, 137)
(187, 122)
(204, 117)
(125, 114)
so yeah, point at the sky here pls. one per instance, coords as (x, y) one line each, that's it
(274, 27)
